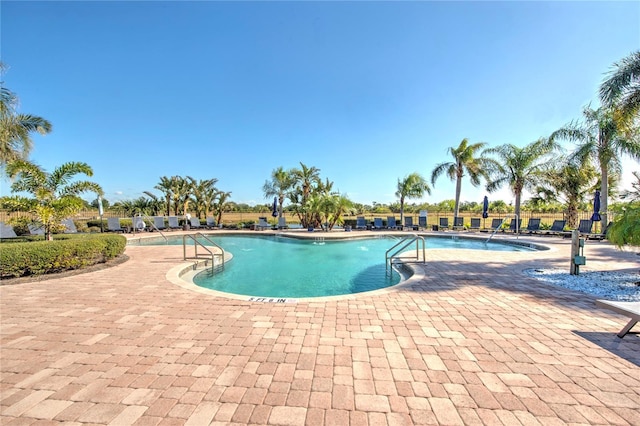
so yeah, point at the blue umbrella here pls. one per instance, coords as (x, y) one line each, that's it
(596, 208)
(274, 212)
(485, 207)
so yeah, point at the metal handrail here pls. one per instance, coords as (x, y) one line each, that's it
(197, 243)
(388, 259)
(502, 223)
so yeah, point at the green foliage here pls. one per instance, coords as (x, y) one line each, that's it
(626, 229)
(65, 253)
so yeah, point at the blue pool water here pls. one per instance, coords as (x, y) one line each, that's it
(290, 268)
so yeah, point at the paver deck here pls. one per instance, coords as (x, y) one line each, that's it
(472, 342)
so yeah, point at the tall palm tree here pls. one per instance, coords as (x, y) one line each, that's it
(621, 89)
(520, 168)
(55, 194)
(464, 161)
(412, 186)
(602, 139)
(15, 128)
(281, 181)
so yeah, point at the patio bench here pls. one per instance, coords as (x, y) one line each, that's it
(628, 309)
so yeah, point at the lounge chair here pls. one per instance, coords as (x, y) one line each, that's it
(475, 224)
(282, 223)
(585, 226)
(514, 226)
(361, 223)
(211, 223)
(6, 231)
(422, 222)
(408, 223)
(599, 235)
(628, 309)
(391, 222)
(458, 223)
(173, 222)
(532, 226)
(262, 224)
(195, 223)
(158, 223)
(69, 226)
(557, 228)
(444, 223)
(377, 223)
(35, 229)
(495, 224)
(114, 225)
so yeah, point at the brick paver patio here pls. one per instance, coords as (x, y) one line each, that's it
(473, 341)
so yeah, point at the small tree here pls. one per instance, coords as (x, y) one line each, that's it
(412, 186)
(55, 197)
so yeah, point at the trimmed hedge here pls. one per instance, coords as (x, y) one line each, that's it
(64, 254)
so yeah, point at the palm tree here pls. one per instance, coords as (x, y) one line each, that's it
(520, 168)
(464, 160)
(602, 139)
(633, 194)
(167, 186)
(220, 205)
(412, 186)
(203, 191)
(571, 182)
(305, 180)
(55, 196)
(621, 90)
(15, 128)
(281, 181)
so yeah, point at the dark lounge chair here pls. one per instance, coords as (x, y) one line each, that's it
(557, 228)
(532, 226)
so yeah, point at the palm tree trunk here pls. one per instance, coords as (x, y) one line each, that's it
(456, 209)
(604, 194)
(401, 210)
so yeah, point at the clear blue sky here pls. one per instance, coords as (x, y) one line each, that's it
(368, 92)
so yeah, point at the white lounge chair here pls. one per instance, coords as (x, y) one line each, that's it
(35, 229)
(282, 223)
(628, 309)
(195, 223)
(70, 227)
(173, 222)
(158, 223)
(114, 225)
(262, 224)
(211, 223)
(6, 231)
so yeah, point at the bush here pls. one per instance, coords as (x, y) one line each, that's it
(63, 254)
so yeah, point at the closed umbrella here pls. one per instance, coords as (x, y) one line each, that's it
(274, 211)
(485, 207)
(596, 208)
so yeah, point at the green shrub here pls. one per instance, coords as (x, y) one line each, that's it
(66, 252)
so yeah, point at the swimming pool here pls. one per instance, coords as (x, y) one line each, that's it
(280, 267)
